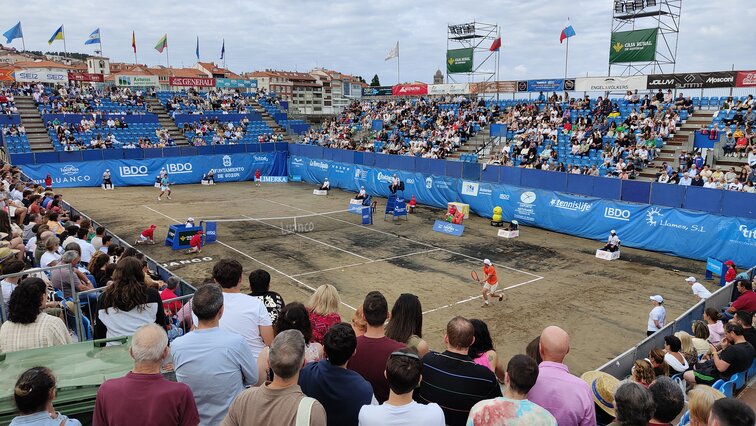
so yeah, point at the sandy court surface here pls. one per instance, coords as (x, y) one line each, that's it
(547, 278)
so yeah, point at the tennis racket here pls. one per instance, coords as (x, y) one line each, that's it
(474, 275)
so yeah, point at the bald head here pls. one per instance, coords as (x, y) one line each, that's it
(554, 344)
(460, 333)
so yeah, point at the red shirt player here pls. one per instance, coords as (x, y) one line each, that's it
(258, 175)
(195, 244)
(48, 181)
(147, 236)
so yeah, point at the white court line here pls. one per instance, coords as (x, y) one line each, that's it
(366, 263)
(253, 259)
(309, 238)
(407, 238)
(480, 296)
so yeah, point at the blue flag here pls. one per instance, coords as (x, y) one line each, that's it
(223, 49)
(94, 38)
(196, 52)
(14, 33)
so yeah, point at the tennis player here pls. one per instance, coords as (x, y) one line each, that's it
(195, 244)
(490, 282)
(258, 175)
(147, 236)
(164, 187)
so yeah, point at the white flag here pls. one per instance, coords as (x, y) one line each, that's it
(394, 53)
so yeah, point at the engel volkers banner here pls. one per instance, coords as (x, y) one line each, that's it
(684, 233)
(181, 170)
(610, 84)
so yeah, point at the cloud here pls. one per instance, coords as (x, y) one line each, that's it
(354, 37)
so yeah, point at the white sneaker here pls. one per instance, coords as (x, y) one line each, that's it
(159, 199)
(169, 198)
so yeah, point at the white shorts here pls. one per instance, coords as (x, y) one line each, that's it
(143, 238)
(491, 288)
(12, 211)
(165, 188)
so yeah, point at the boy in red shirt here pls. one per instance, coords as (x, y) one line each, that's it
(195, 244)
(258, 175)
(147, 236)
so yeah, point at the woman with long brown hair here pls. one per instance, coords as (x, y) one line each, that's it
(127, 303)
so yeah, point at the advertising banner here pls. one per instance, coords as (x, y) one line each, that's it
(746, 79)
(41, 75)
(181, 170)
(610, 84)
(377, 91)
(459, 60)
(553, 85)
(6, 74)
(137, 80)
(409, 89)
(86, 77)
(638, 225)
(633, 46)
(191, 81)
(233, 83)
(494, 87)
(448, 89)
(700, 80)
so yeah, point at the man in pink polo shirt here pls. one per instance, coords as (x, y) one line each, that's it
(566, 397)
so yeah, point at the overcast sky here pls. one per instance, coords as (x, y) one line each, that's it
(355, 36)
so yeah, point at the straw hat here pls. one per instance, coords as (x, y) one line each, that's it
(3, 235)
(603, 386)
(6, 252)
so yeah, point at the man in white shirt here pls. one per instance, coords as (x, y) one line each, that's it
(87, 250)
(242, 314)
(698, 288)
(403, 372)
(613, 242)
(686, 180)
(658, 315)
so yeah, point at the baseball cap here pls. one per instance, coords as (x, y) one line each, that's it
(613, 231)
(730, 262)
(657, 299)
(690, 279)
(153, 226)
(515, 222)
(487, 261)
(190, 219)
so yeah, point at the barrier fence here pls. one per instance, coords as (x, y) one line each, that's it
(725, 203)
(620, 366)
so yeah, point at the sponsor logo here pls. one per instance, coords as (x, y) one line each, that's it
(384, 178)
(470, 188)
(133, 171)
(360, 174)
(274, 179)
(179, 168)
(728, 79)
(175, 263)
(262, 158)
(569, 84)
(528, 197)
(227, 161)
(689, 78)
(504, 197)
(749, 79)
(748, 233)
(485, 191)
(617, 47)
(429, 182)
(654, 217)
(617, 214)
(662, 82)
(410, 181)
(69, 170)
(318, 164)
(522, 86)
(575, 206)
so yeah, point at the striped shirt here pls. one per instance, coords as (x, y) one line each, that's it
(456, 383)
(44, 332)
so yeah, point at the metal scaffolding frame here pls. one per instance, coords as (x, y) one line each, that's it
(664, 15)
(474, 35)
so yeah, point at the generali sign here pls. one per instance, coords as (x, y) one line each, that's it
(191, 81)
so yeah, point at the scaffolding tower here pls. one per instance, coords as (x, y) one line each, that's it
(477, 36)
(664, 15)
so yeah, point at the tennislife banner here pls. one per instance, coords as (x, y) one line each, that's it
(633, 46)
(645, 226)
(459, 60)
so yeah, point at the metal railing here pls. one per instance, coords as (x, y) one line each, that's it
(621, 365)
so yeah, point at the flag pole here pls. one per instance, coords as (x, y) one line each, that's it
(65, 50)
(398, 80)
(566, 56)
(167, 58)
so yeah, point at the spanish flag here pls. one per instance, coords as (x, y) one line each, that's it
(57, 35)
(133, 41)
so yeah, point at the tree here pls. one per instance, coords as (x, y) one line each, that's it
(376, 81)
